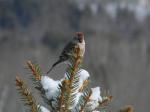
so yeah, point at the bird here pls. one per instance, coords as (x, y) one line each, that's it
(67, 52)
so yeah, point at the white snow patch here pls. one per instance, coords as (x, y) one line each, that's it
(94, 99)
(50, 86)
(43, 109)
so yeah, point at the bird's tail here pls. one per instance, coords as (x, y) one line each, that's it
(59, 61)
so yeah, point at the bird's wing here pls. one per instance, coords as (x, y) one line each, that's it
(68, 49)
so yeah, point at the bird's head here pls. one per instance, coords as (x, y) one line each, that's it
(79, 36)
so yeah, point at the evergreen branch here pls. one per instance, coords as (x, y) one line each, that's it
(105, 101)
(35, 69)
(86, 98)
(127, 108)
(26, 95)
(61, 102)
(84, 86)
(36, 76)
(70, 97)
(36, 73)
(70, 94)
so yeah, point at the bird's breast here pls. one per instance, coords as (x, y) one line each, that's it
(82, 49)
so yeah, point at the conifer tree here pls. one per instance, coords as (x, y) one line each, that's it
(69, 94)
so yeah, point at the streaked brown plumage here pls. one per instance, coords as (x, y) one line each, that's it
(67, 52)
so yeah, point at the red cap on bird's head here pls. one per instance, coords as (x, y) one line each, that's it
(80, 36)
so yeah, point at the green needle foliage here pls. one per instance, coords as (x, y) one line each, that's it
(27, 97)
(70, 94)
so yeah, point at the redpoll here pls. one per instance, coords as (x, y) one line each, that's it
(68, 51)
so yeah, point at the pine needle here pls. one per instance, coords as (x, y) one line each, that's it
(127, 108)
(86, 99)
(35, 69)
(61, 101)
(26, 95)
(105, 101)
(70, 97)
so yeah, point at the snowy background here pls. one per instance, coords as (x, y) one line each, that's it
(117, 45)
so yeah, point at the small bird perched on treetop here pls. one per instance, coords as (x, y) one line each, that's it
(68, 51)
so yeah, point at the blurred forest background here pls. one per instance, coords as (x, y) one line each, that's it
(117, 45)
